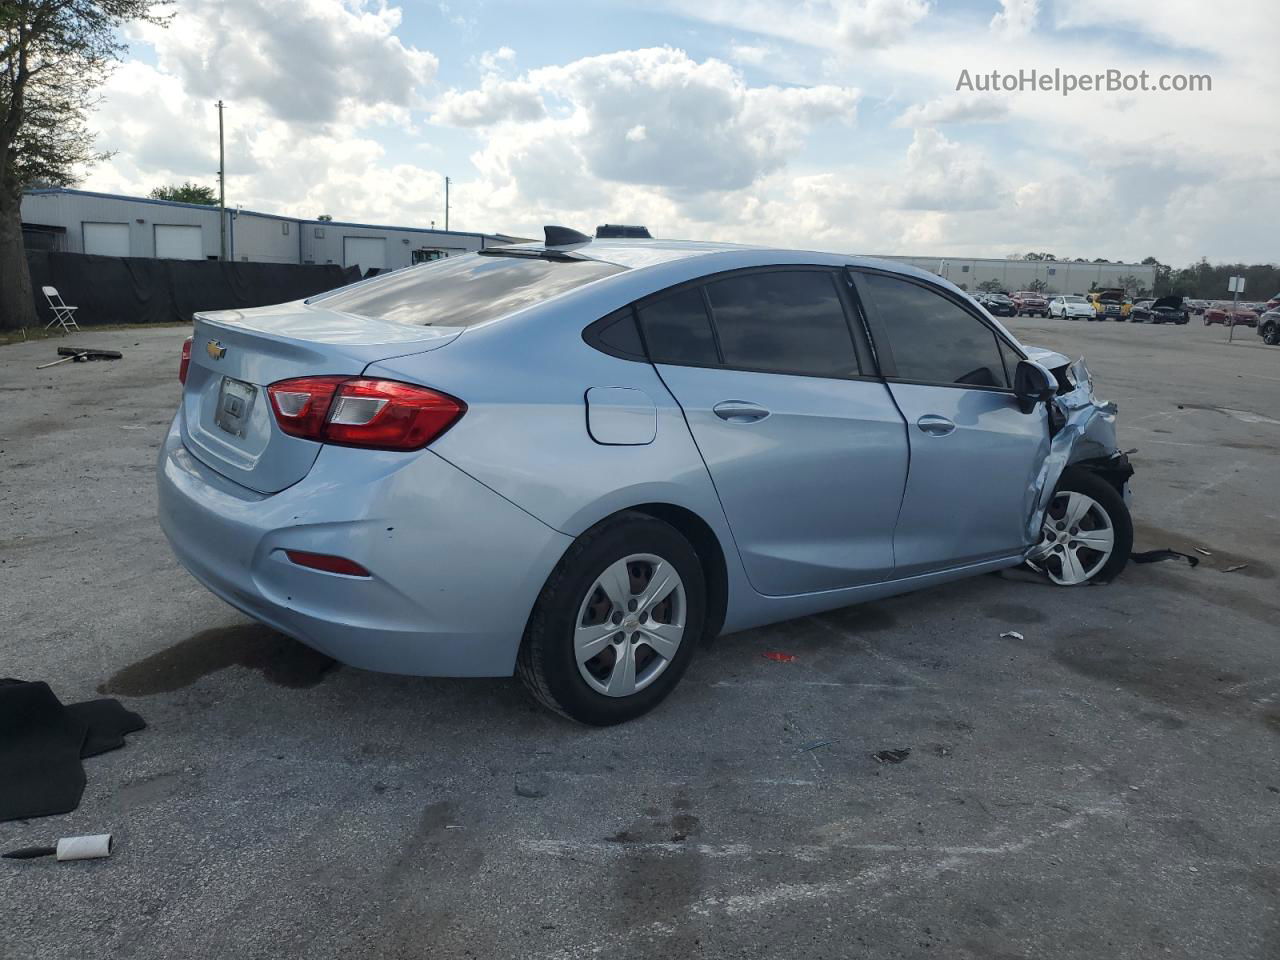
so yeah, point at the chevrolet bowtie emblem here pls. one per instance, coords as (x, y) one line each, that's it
(215, 350)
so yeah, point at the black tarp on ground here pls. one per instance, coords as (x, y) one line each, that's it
(144, 290)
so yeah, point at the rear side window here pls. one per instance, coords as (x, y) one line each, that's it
(677, 329)
(786, 321)
(465, 290)
(933, 340)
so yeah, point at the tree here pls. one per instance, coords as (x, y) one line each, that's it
(990, 286)
(53, 56)
(1037, 286)
(187, 193)
(324, 218)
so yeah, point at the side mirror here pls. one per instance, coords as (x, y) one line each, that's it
(1033, 384)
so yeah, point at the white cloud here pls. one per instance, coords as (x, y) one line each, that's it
(833, 24)
(954, 109)
(1017, 19)
(495, 101)
(750, 54)
(493, 60)
(704, 127)
(877, 23)
(943, 175)
(305, 61)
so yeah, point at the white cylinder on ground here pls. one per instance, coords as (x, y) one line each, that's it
(84, 848)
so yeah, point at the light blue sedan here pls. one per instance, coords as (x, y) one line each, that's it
(576, 459)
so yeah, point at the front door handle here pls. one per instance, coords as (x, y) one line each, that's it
(739, 411)
(935, 425)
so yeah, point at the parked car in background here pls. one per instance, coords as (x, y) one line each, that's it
(1197, 307)
(1269, 327)
(998, 304)
(1230, 316)
(1028, 303)
(1272, 304)
(1163, 310)
(1110, 304)
(576, 460)
(1071, 307)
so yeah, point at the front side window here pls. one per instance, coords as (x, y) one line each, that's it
(463, 291)
(786, 321)
(933, 340)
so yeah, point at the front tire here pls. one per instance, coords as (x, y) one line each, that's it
(617, 622)
(1271, 335)
(1087, 534)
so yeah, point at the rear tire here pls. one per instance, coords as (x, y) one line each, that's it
(1089, 524)
(600, 584)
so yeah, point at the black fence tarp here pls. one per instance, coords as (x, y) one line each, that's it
(142, 290)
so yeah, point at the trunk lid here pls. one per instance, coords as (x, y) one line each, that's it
(227, 420)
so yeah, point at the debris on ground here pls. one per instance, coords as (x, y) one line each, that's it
(778, 657)
(1238, 566)
(93, 847)
(1156, 556)
(82, 355)
(44, 742)
(1012, 635)
(815, 744)
(891, 756)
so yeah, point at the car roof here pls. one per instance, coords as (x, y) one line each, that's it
(641, 254)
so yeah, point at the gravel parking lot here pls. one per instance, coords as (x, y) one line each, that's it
(1107, 786)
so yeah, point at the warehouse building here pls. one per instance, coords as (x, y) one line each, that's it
(1056, 276)
(81, 221)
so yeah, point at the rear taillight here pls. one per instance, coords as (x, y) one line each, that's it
(185, 362)
(359, 412)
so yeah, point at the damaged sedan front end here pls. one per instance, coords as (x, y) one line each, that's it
(1082, 439)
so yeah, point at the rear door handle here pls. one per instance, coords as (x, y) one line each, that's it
(739, 411)
(935, 425)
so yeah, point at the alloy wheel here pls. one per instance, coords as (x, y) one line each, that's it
(1076, 540)
(630, 625)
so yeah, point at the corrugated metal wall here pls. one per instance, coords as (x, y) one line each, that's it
(251, 236)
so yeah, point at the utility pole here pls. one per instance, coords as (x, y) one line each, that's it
(222, 189)
(446, 204)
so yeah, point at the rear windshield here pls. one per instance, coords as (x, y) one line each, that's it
(464, 290)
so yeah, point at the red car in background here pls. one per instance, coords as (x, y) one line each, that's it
(1029, 302)
(1230, 316)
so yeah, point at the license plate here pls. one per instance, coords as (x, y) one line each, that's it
(235, 400)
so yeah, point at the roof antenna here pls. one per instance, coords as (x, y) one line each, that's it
(563, 236)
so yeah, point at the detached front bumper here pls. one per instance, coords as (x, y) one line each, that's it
(455, 567)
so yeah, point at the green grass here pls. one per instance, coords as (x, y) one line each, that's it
(55, 333)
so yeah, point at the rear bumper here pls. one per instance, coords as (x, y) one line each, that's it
(455, 567)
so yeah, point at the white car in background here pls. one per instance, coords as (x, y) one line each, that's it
(1071, 308)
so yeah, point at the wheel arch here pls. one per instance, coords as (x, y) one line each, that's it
(709, 549)
(705, 542)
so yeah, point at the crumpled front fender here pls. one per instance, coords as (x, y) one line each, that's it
(1085, 434)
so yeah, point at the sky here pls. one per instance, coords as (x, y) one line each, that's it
(844, 125)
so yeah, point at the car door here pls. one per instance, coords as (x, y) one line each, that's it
(975, 455)
(806, 449)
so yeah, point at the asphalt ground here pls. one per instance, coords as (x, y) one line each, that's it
(1106, 786)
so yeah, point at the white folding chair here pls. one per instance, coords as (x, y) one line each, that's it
(62, 314)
